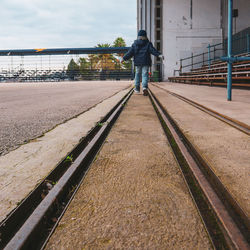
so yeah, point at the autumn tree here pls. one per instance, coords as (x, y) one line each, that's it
(100, 61)
(103, 61)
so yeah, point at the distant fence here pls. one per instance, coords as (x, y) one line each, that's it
(64, 64)
(240, 45)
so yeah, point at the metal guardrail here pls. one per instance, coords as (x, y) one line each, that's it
(240, 45)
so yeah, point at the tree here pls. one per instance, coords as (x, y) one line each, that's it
(73, 69)
(127, 64)
(99, 62)
(84, 65)
(84, 68)
(102, 61)
(119, 42)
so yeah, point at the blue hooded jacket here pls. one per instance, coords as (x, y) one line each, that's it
(141, 50)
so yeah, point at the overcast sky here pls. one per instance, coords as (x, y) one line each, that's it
(28, 24)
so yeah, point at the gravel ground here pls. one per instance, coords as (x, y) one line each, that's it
(226, 149)
(133, 197)
(28, 110)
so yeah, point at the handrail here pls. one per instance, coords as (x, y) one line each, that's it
(209, 56)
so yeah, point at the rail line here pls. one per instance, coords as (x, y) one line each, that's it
(225, 221)
(30, 225)
(232, 122)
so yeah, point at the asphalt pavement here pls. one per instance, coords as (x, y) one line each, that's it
(28, 110)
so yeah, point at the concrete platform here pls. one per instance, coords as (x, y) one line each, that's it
(225, 149)
(133, 196)
(215, 98)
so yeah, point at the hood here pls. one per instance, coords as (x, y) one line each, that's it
(140, 42)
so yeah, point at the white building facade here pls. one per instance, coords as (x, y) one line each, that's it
(179, 28)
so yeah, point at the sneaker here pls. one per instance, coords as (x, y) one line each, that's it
(136, 91)
(145, 92)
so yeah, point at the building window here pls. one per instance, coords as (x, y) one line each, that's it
(158, 46)
(158, 12)
(158, 35)
(158, 23)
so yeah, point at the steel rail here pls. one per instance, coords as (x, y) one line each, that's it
(16, 218)
(31, 229)
(232, 122)
(225, 221)
(211, 82)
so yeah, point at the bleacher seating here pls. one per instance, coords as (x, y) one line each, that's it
(216, 74)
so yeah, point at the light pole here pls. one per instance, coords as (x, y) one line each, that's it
(229, 51)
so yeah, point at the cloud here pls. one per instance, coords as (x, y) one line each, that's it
(61, 23)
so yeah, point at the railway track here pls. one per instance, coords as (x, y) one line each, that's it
(232, 122)
(31, 224)
(226, 223)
